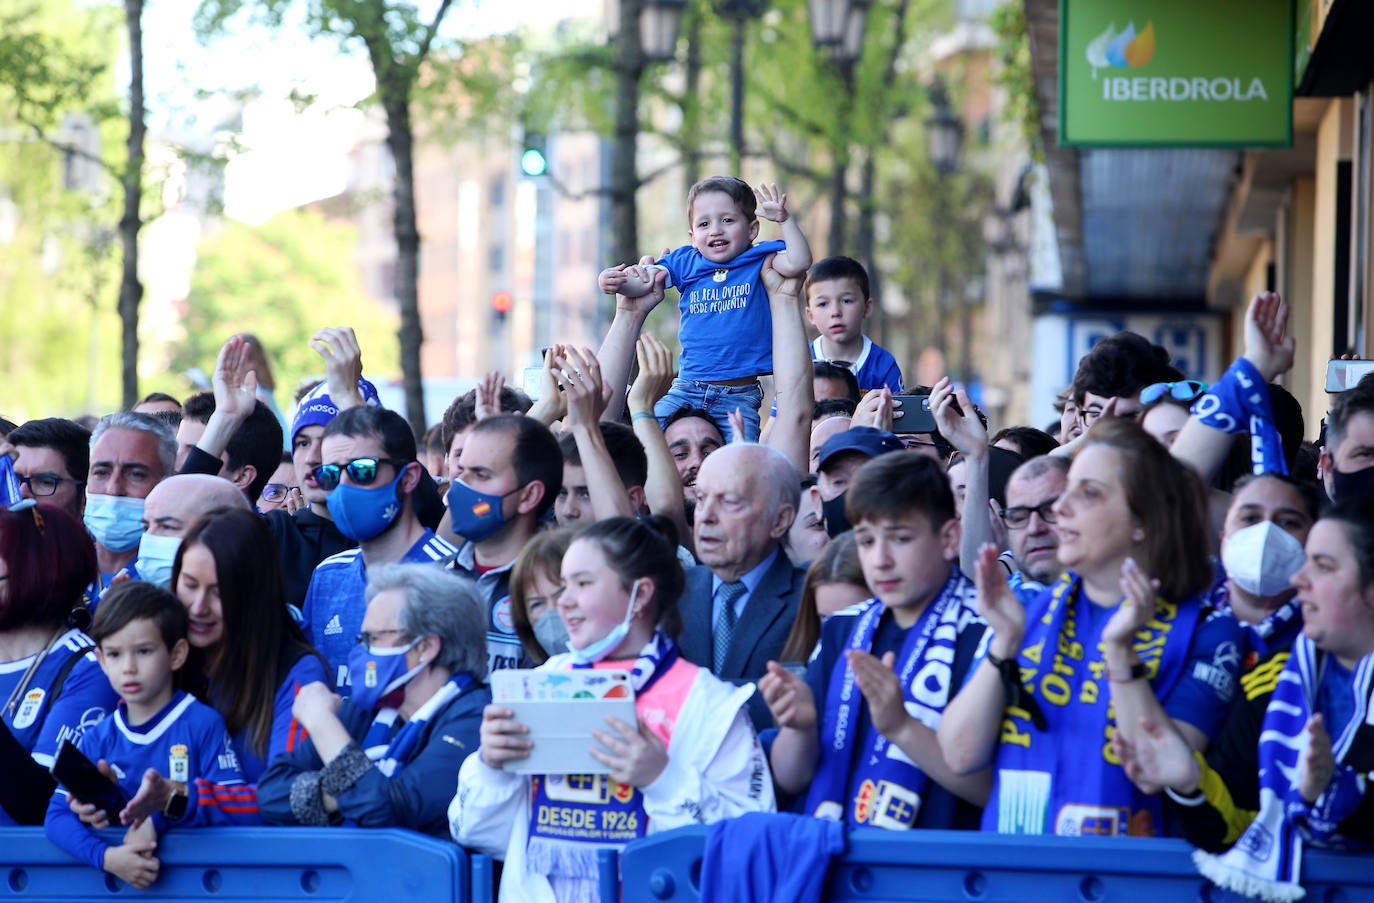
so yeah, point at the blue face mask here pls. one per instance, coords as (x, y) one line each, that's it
(591, 654)
(361, 513)
(377, 673)
(155, 557)
(474, 515)
(115, 521)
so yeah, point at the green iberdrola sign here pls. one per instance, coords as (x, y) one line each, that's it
(1176, 72)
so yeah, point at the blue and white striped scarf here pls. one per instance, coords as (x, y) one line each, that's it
(1267, 859)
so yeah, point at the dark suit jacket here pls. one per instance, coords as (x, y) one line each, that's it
(759, 634)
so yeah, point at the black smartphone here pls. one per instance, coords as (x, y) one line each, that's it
(84, 781)
(915, 415)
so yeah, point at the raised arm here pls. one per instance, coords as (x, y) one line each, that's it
(343, 364)
(663, 487)
(972, 722)
(580, 376)
(617, 351)
(236, 392)
(966, 432)
(1270, 350)
(550, 406)
(790, 431)
(795, 260)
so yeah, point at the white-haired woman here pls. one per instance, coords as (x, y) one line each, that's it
(389, 756)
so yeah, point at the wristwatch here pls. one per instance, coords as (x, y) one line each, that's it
(178, 802)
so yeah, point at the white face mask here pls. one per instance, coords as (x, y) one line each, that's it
(155, 557)
(595, 652)
(1261, 558)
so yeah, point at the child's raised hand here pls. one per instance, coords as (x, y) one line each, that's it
(611, 279)
(789, 698)
(772, 204)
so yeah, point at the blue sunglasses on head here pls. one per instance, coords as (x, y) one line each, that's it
(1185, 390)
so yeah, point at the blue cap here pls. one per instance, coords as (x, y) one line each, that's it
(317, 408)
(866, 440)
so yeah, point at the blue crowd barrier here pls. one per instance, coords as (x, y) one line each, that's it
(265, 865)
(963, 867)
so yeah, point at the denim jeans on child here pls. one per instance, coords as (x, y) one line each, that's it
(717, 400)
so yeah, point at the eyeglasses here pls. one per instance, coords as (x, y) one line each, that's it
(276, 492)
(1019, 516)
(910, 441)
(369, 637)
(362, 471)
(1089, 416)
(846, 365)
(42, 485)
(1185, 390)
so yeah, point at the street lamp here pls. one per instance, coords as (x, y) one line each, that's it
(829, 19)
(944, 131)
(838, 26)
(658, 27)
(851, 44)
(944, 135)
(739, 12)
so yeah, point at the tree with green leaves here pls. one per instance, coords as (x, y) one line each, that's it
(283, 281)
(399, 42)
(57, 99)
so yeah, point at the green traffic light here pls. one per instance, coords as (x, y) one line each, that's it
(532, 163)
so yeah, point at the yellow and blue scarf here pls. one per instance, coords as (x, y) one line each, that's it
(1065, 779)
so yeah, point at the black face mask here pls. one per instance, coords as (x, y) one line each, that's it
(1352, 484)
(833, 513)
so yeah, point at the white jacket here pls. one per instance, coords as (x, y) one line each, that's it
(716, 770)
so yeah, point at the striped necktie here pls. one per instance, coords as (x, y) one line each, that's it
(723, 631)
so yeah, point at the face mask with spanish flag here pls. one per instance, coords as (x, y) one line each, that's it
(475, 516)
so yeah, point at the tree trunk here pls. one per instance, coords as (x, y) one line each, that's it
(689, 138)
(401, 142)
(865, 243)
(624, 152)
(130, 289)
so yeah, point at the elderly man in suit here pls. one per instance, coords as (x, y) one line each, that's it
(740, 601)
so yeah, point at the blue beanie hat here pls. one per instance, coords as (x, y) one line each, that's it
(317, 408)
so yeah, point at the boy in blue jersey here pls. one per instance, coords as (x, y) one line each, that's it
(140, 634)
(726, 330)
(857, 734)
(837, 304)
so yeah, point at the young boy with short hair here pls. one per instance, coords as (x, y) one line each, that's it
(837, 304)
(726, 329)
(859, 730)
(140, 636)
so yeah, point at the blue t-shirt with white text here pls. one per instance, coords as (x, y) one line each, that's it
(726, 329)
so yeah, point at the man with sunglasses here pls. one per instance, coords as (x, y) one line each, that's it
(370, 475)
(54, 455)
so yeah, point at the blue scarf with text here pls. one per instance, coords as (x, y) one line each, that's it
(1267, 859)
(1066, 780)
(1239, 403)
(886, 787)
